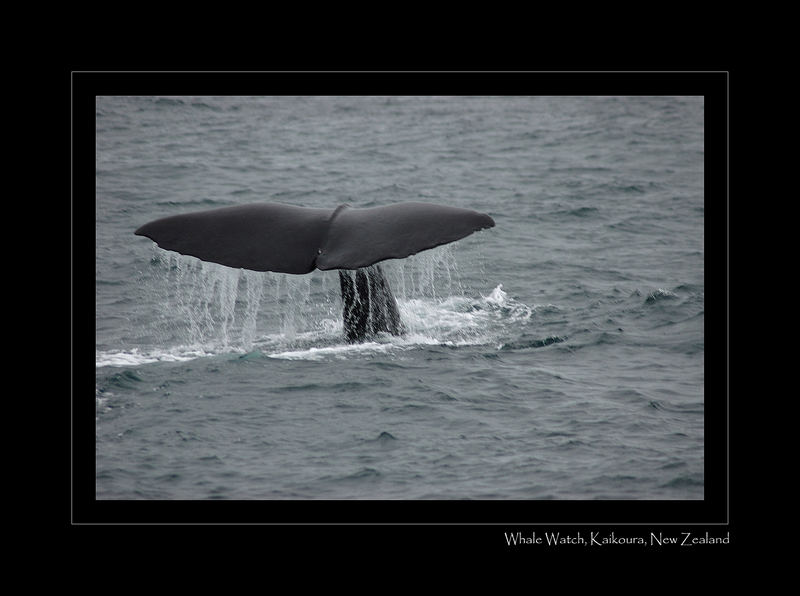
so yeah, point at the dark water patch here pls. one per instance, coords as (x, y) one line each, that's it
(166, 387)
(209, 459)
(291, 196)
(570, 444)
(443, 395)
(683, 482)
(625, 395)
(612, 189)
(607, 338)
(546, 393)
(343, 387)
(186, 436)
(385, 440)
(526, 343)
(305, 387)
(407, 409)
(168, 171)
(392, 365)
(578, 212)
(361, 475)
(205, 106)
(169, 477)
(115, 282)
(693, 290)
(673, 465)
(641, 225)
(616, 480)
(127, 379)
(557, 433)
(167, 101)
(353, 407)
(192, 203)
(687, 408)
(219, 493)
(634, 188)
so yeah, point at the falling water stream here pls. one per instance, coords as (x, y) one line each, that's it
(208, 309)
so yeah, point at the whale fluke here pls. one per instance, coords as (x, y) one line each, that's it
(259, 236)
(362, 237)
(289, 239)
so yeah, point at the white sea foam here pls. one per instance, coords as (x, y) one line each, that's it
(340, 352)
(498, 296)
(454, 321)
(136, 357)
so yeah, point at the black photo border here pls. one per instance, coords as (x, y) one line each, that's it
(496, 518)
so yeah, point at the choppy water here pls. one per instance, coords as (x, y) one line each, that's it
(559, 355)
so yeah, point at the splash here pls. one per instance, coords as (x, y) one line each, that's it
(205, 309)
(498, 296)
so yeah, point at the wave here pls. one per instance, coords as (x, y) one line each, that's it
(660, 294)
(335, 352)
(136, 357)
(575, 212)
(167, 101)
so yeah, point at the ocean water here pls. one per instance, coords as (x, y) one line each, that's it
(558, 355)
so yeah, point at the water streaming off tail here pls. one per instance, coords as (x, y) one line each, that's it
(189, 307)
(432, 274)
(217, 308)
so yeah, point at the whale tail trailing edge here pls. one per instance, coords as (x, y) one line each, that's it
(288, 239)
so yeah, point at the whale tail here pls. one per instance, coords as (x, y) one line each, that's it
(289, 239)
